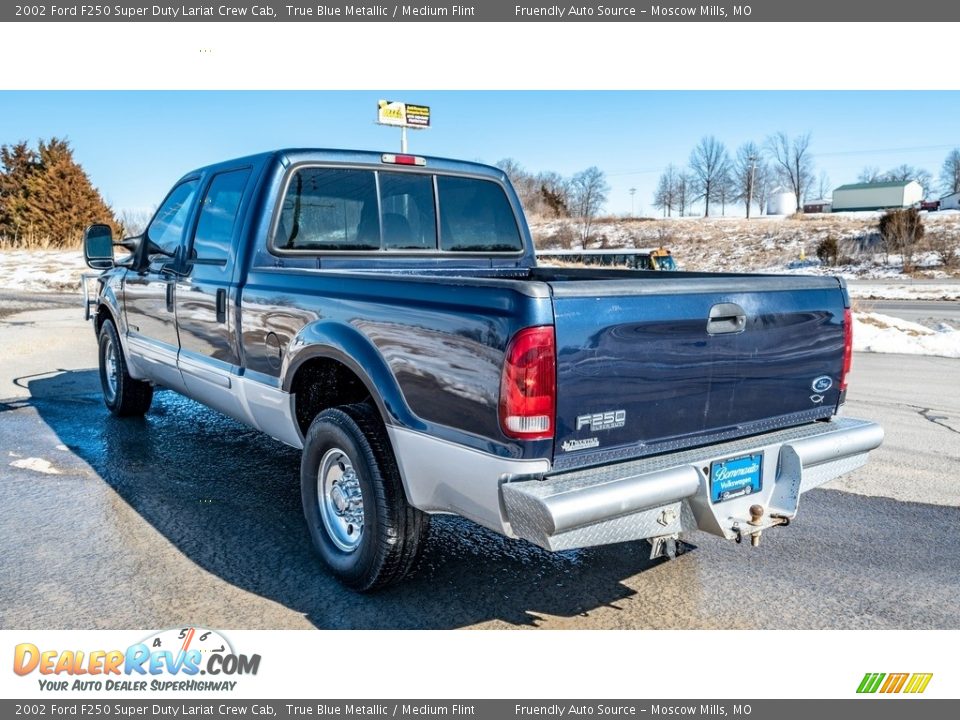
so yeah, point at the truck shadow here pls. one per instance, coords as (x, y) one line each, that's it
(228, 498)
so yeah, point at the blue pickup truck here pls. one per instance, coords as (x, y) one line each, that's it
(386, 314)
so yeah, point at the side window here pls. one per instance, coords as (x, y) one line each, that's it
(218, 217)
(475, 216)
(166, 229)
(329, 209)
(409, 215)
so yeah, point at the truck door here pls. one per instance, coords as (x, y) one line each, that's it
(149, 293)
(205, 295)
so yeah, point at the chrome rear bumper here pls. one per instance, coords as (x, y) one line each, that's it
(668, 494)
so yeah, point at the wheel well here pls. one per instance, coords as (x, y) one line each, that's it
(103, 314)
(323, 383)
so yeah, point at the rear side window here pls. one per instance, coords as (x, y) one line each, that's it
(329, 209)
(475, 216)
(218, 216)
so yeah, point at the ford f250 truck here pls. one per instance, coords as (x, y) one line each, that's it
(385, 313)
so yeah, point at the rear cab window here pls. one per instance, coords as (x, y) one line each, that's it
(364, 210)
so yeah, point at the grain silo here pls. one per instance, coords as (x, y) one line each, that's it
(781, 202)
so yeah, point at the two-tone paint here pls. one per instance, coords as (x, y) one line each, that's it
(682, 359)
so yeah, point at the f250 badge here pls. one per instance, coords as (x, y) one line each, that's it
(602, 421)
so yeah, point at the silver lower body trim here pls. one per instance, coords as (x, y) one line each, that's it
(671, 493)
(441, 476)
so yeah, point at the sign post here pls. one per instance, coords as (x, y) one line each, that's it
(404, 116)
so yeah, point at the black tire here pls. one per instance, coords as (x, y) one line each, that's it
(123, 395)
(393, 533)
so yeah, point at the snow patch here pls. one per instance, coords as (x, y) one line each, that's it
(36, 464)
(873, 332)
(41, 270)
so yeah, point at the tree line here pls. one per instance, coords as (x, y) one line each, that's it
(550, 194)
(46, 197)
(714, 177)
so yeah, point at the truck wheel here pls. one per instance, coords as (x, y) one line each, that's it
(122, 394)
(353, 500)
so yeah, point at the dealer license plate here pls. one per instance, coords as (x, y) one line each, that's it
(734, 477)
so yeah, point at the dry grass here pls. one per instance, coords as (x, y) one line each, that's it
(731, 244)
(31, 241)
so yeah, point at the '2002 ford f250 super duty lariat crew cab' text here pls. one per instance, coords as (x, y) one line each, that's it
(386, 314)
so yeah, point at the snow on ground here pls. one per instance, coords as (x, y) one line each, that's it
(41, 270)
(873, 332)
(898, 289)
(773, 244)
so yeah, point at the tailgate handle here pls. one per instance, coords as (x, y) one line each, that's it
(726, 318)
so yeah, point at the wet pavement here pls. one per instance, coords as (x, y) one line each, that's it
(188, 517)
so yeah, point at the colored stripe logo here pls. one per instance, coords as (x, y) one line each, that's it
(913, 683)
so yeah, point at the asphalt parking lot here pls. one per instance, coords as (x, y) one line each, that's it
(188, 517)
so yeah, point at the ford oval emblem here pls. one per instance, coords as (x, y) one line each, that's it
(821, 384)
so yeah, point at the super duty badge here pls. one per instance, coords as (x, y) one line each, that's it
(602, 421)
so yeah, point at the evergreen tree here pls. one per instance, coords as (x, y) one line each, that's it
(46, 197)
(17, 163)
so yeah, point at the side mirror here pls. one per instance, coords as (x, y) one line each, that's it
(98, 247)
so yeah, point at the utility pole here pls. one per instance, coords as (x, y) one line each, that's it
(753, 169)
(633, 191)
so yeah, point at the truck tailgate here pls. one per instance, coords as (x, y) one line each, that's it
(651, 365)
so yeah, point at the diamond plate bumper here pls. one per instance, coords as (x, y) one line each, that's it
(668, 494)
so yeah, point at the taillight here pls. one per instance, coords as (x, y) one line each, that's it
(528, 385)
(847, 347)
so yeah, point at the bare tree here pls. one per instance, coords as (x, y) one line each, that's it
(824, 187)
(870, 174)
(134, 222)
(726, 190)
(950, 173)
(683, 192)
(665, 196)
(906, 173)
(793, 162)
(709, 163)
(762, 182)
(588, 193)
(746, 169)
(525, 185)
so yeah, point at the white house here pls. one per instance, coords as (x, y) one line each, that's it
(877, 195)
(950, 202)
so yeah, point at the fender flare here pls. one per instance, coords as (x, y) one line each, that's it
(326, 339)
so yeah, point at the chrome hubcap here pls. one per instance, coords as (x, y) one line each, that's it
(110, 367)
(340, 499)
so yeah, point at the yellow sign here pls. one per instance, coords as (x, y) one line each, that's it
(390, 112)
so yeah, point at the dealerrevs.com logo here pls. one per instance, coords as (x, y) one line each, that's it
(889, 683)
(168, 660)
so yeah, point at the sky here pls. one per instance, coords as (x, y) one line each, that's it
(136, 144)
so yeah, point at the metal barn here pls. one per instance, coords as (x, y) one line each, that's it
(950, 202)
(877, 195)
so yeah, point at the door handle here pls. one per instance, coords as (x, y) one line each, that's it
(726, 318)
(169, 297)
(221, 305)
